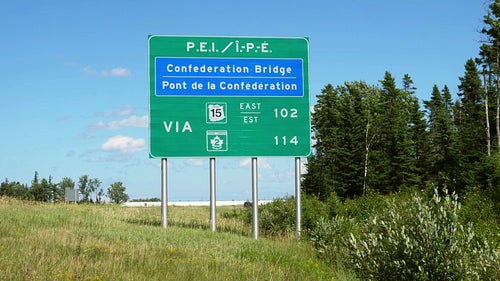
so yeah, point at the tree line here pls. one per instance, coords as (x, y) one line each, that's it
(383, 138)
(46, 190)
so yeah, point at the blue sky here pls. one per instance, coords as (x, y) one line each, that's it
(74, 81)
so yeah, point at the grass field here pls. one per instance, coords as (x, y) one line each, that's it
(43, 241)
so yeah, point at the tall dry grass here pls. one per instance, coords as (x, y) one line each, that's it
(43, 241)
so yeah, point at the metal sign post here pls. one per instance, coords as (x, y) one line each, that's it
(164, 197)
(255, 200)
(298, 214)
(213, 214)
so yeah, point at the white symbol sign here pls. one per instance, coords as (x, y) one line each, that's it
(216, 113)
(216, 140)
(217, 143)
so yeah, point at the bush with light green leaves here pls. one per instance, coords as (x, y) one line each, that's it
(419, 239)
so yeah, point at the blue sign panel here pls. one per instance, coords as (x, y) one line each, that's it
(243, 77)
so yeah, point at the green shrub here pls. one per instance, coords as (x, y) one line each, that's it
(419, 239)
(333, 205)
(363, 207)
(328, 237)
(312, 211)
(278, 218)
(479, 209)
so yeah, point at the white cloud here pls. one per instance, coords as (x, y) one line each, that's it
(245, 162)
(118, 71)
(125, 112)
(276, 176)
(124, 145)
(89, 71)
(261, 163)
(133, 121)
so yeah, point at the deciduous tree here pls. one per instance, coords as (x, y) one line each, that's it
(84, 187)
(116, 192)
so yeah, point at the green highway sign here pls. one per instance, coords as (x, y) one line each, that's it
(228, 96)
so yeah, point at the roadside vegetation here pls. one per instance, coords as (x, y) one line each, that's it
(415, 235)
(45, 190)
(56, 241)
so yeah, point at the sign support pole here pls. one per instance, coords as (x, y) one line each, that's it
(164, 197)
(255, 200)
(213, 215)
(297, 196)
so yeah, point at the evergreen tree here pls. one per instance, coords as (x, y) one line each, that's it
(5, 188)
(396, 167)
(441, 137)
(408, 84)
(56, 193)
(471, 145)
(37, 190)
(21, 191)
(367, 137)
(490, 53)
(417, 130)
(314, 181)
(46, 190)
(349, 165)
(344, 132)
(489, 169)
(318, 180)
(35, 178)
(15, 190)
